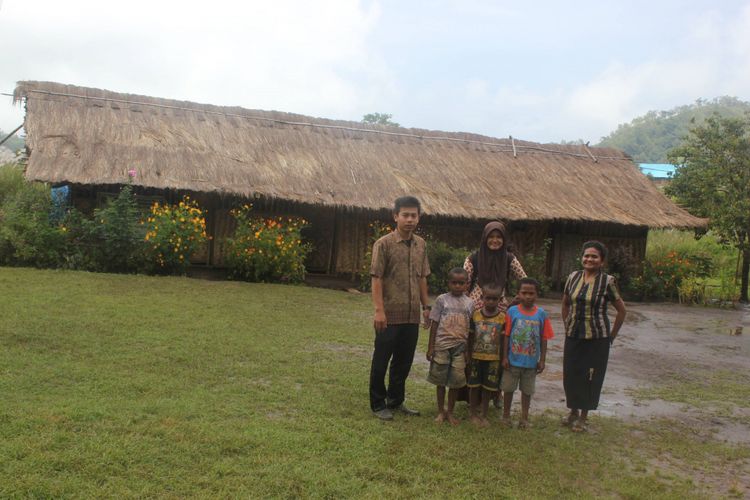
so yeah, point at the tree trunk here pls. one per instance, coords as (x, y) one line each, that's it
(744, 274)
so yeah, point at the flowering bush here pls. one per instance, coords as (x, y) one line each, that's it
(173, 234)
(665, 271)
(377, 229)
(266, 248)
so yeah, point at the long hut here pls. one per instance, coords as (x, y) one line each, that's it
(341, 175)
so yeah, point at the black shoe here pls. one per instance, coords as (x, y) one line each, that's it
(384, 414)
(402, 408)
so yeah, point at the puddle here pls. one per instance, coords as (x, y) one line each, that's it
(659, 342)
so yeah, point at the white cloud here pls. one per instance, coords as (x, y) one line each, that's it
(713, 60)
(322, 58)
(305, 57)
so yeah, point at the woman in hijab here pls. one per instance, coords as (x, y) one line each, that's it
(492, 264)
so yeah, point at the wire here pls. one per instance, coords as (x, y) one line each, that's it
(657, 170)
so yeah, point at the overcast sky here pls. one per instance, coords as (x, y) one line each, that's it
(543, 71)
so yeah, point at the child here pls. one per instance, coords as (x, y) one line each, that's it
(446, 350)
(487, 327)
(527, 330)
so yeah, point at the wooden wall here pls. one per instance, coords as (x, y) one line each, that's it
(341, 236)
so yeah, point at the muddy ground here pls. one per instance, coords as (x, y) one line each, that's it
(661, 344)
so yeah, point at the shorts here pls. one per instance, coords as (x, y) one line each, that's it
(516, 377)
(448, 368)
(485, 373)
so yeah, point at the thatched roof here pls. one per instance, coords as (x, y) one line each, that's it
(91, 136)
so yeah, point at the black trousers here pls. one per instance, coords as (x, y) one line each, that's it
(394, 345)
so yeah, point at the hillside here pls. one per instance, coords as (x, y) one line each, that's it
(648, 138)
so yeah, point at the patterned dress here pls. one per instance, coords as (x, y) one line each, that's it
(475, 294)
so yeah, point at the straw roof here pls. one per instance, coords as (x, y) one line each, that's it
(92, 136)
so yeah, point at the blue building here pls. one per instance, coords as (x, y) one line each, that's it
(658, 170)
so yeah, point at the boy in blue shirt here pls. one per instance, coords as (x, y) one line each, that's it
(527, 329)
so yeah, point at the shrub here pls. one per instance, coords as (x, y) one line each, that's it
(665, 271)
(117, 234)
(81, 250)
(266, 249)
(535, 265)
(378, 229)
(27, 235)
(173, 234)
(443, 258)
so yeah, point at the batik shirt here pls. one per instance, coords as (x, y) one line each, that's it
(401, 264)
(452, 314)
(488, 335)
(525, 331)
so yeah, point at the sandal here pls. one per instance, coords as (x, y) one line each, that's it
(569, 420)
(579, 426)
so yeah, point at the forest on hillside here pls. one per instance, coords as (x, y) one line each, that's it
(648, 138)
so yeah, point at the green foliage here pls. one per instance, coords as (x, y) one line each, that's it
(443, 258)
(680, 266)
(266, 249)
(15, 143)
(27, 236)
(666, 271)
(535, 265)
(379, 119)
(81, 250)
(378, 229)
(713, 180)
(173, 234)
(117, 230)
(649, 138)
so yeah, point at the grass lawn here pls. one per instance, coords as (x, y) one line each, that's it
(133, 386)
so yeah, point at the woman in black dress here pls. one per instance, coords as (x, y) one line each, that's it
(588, 333)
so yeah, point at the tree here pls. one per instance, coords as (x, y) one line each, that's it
(379, 119)
(712, 179)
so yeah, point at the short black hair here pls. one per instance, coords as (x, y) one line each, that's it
(458, 271)
(492, 289)
(528, 281)
(595, 244)
(406, 202)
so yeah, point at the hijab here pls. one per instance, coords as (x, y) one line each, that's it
(493, 265)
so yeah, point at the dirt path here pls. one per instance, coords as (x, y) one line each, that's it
(664, 343)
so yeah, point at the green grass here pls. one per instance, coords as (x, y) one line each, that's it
(722, 390)
(133, 386)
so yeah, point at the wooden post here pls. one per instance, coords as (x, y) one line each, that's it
(586, 147)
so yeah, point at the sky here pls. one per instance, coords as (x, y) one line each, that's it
(543, 71)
